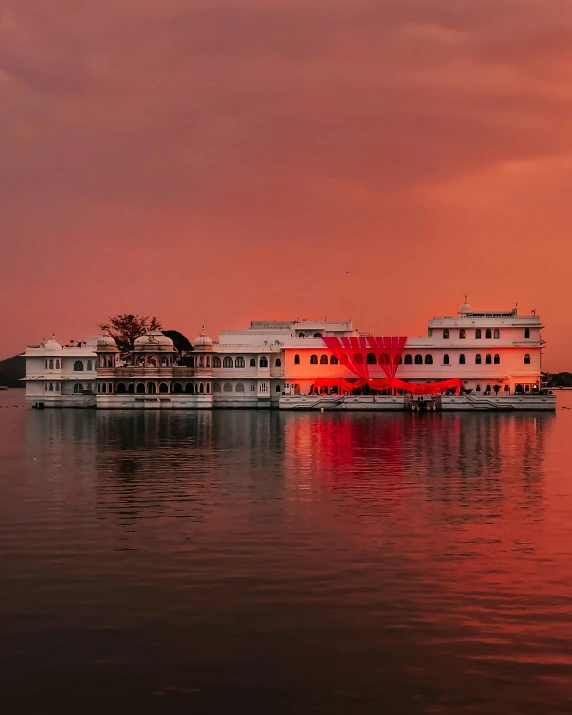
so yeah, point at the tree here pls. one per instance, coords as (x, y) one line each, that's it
(181, 342)
(125, 329)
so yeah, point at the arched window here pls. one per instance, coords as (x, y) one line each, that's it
(506, 388)
(103, 387)
(189, 388)
(278, 362)
(296, 359)
(202, 388)
(317, 335)
(264, 361)
(383, 359)
(301, 335)
(239, 362)
(216, 361)
(323, 359)
(478, 388)
(151, 389)
(333, 360)
(51, 388)
(227, 387)
(78, 388)
(462, 334)
(239, 387)
(208, 387)
(163, 387)
(408, 360)
(496, 334)
(358, 358)
(527, 359)
(110, 388)
(446, 334)
(478, 334)
(277, 388)
(78, 366)
(121, 389)
(370, 359)
(252, 362)
(462, 359)
(216, 387)
(488, 334)
(89, 365)
(478, 359)
(488, 359)
(428, 359)
(140, 387)
(527, 332)
(496, 359)
(51, 367)
(419, 359)
(313, 360)
(446, 360)
(227, 362)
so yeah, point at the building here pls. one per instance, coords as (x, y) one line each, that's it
(472, 358)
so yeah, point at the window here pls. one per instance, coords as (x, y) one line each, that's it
(314, 360)
(253, 388)
(189, 388)
(216, 387)
(78, 388)
(445, 334)
(333, 360)
(488, 359)
(478, 388)
(216, 361)
(301, 335)
(323, 359)
(163, 387)
(208, 387)
(370, 359)
(264, 361)
(383, 359)
(227, 362)
(408, 360)
(506, 388)
(89, 365)
(358, 358)
(239, 387)
(239, 362)
(478, 359)
(478, 334)
(202, 388)
(296, 359)
(488, 334)
(496, 334)
(45, 365)
(103, 387)
(277, 388)
(317, 335)
(140, 387)
(151, 389)
(446, 360)
(428, 359)
(527, 359)
(51, 365)
(110, 388)
(496, 359)
(227, 387)
(78, 366)
(252, 362)
(462, 334)
(419, 359)
(57, 386)
(278, 362)
(527, 332)
(462, 359)
(51, 389)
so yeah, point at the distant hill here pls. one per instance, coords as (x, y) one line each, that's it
(557, 379)
(12, 370)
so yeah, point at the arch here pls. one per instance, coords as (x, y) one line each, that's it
(462, 334)
(208, 387)
(227, 362)
(140, 388)
(151, 361)
(51, 367)
(216, 361)
(358, 358)
(527, 359)
(227, 387)
(278, 363)
(370, 359)
(428, 359)
(408, 360)
(140, 361)
(78, 388)
(446, 334)
(177, 388)
(478, 388)
(51, 388)
(239, 362)
(462, 359)
(104, 387)
(323, 359)
(518, 389)
(478, 359)
(189, 388)
(277, 388)
(163, 388)
(317, 335)
(478, 334)
(264, 361)
(110, 388)
(239, 387)
(78, 366)
(333, 360)
(202, 388)
(496, 334)
(89, 365)
(301, 335)
(313, 360)
(488, 334)
(121, 388)
(496, 359)
(446, 360)
(419, 359)
(527, 332)
(151, 389)
(252, 362)
(488, 359)
(506, 388)
(216, 387)
(296, 359)
(131, 388)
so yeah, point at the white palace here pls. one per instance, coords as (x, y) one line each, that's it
(473, 360)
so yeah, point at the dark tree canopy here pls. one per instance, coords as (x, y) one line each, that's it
(126, 328)
(182, 343)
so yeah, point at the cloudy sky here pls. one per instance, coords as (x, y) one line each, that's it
(213, 161)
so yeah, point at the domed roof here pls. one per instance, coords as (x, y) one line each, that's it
(465, 308)
(202, 341)
(52, 345)
(106, 340)
(153, 340)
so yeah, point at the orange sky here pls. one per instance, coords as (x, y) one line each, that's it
(216, 161)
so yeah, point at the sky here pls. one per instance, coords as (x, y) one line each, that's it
(217, 161)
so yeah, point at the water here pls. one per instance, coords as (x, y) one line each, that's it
(253, 562)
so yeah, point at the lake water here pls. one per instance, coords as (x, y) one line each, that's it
(257, 562)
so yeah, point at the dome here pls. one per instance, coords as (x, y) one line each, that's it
(202, 341)
(105, 341)
(465, 308)
(52, 345)
(153, 341)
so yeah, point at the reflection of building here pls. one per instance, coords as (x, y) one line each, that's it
(279, 364)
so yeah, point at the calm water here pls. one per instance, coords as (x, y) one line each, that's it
(249, 562)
